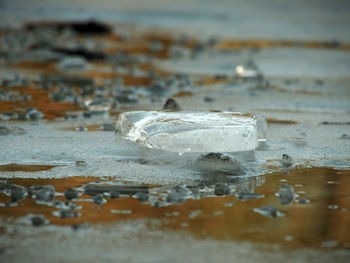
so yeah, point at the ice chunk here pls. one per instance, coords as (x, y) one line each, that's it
(183, 131)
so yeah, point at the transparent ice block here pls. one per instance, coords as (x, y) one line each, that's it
(184, 131)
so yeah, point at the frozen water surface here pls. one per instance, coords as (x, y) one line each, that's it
(193, 131)
(303, 92)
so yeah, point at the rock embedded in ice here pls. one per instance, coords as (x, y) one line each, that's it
(286, 161)
(218, 162)
(185, 131)
(222, 189)
(71, 194)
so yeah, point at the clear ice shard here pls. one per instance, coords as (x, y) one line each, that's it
(185, 131)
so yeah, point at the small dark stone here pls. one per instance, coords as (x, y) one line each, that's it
(22, 116)
(286, 194)
(17, 193)
(114, 194)
(10, 115)
(171, 104)
(42, 193)
(141, 197)
(344, 136)
(38, 221)
(176, 198)
(108, 127)
(208, 99)
(77, 227)
(286, 160)
(87, 115)
(222, 189)
(71, 194)
(80, 163)
(178, 194)
(4, 130)
(82, 128)
(218, 162)
(98, 199)
(303, 200)
(34, 114)
(181, 189)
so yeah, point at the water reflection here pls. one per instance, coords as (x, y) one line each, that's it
(226, 217)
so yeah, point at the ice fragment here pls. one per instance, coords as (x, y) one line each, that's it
(193, 131)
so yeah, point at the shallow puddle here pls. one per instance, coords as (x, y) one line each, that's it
(321, 214)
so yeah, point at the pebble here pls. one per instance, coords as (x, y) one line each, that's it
(286, 194)
(108, 127)
(303, 200)
(38, 220)
(176, 198)
(222, 189)
(345, 137)
(208, 99)
(80, 163)
(114, 194)
(286, 160)
(18, 193)
(4, 131)
(33, 114)
(141, 197)
(82, 128)
(98, 199)
(71, 194)
(171, 104)
(64, 93)
(42, 193)
(218, 162)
